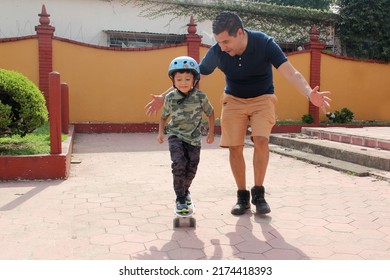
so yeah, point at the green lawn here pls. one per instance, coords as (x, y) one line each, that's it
(37, 142)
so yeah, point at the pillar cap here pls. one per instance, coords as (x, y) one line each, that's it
(314, 34)
(192, 26)
(44, 17)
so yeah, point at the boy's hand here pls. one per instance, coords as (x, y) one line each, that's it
(160, 138)
(210, 138)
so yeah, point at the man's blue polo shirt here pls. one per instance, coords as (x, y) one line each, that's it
(250, 74)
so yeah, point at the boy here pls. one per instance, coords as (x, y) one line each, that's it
(184, 104)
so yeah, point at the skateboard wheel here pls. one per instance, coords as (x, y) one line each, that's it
(176, 223)
(192, 222)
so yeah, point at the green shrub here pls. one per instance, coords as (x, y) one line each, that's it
(5, 116)
(307, 118)
(343, 116)
(22, 105)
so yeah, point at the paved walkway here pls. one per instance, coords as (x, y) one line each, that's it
(117, 204)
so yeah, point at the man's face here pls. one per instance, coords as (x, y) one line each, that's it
(233, 45)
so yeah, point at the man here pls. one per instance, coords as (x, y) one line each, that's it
(246, 58)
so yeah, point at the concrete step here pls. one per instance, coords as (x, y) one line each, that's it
(356, 160)
(371, 137)
(369, 157)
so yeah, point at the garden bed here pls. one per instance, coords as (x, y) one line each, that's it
(39, 167)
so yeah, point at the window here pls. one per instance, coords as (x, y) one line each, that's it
(129, 39)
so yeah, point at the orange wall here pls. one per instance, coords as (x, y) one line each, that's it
(362, 87)
(21, 56)
(213, 85)
(291, 104)
(113, 86)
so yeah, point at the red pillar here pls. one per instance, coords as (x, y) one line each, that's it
(45, 34)
(55, 113)
(315, 48)
(193, 40)
(65, 108)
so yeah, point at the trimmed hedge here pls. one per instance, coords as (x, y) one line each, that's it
(22, 104)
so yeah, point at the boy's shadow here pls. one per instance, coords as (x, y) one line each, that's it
(183, 245)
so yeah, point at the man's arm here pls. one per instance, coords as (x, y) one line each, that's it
(319, 99)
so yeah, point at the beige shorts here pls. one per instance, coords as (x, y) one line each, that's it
(239, 113)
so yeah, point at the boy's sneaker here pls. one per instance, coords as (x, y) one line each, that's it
(181, 205)
(188, 198)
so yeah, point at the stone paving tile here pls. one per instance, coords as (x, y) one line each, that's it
(127, 248)
(117, 204)
(282, 254)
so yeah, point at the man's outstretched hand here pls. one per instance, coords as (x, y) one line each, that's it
(154, 105)
(320, 99)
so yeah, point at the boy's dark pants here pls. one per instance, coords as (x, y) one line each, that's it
(185, 159)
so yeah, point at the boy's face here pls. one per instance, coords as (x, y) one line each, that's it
(183, 81)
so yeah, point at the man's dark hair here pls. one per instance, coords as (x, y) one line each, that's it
(227, 21)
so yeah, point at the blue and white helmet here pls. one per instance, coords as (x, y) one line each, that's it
(184, 63)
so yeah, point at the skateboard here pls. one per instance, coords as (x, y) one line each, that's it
(187, 220)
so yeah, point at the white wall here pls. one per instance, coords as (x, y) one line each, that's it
(85, 20)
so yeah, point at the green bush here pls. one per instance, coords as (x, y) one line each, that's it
(22, 105)
(307, 118)
(343, 116)
(5, 116)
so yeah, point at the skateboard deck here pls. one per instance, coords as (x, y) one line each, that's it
(182, 220)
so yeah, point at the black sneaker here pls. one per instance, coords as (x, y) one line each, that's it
(181, 205)
(188, 198)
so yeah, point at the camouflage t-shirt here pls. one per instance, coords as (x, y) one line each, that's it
(186, 115)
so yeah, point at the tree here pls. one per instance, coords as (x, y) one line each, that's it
(290, 25)
(364, 28)
(313, 4)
